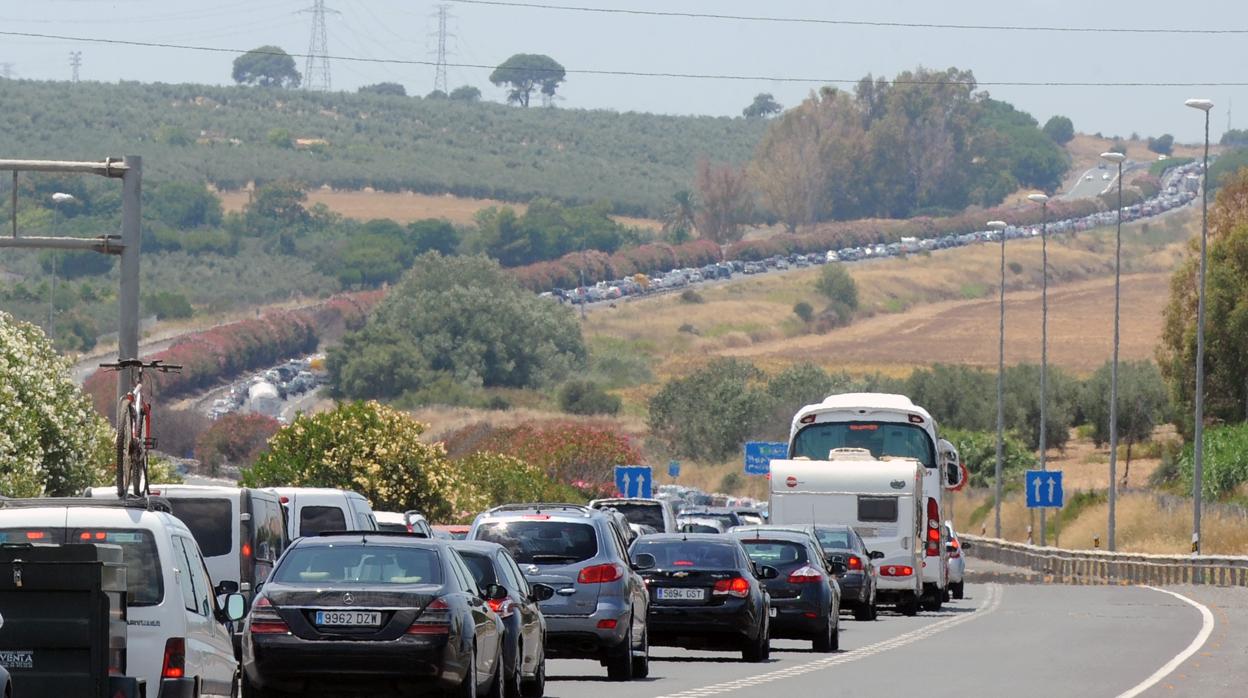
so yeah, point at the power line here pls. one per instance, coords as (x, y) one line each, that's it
(75, 62)
(636, 73)
(846, 22)
(316, 69)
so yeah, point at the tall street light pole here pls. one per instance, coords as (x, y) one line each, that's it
(1044, 342)
(1117, 158)
(1000, 227)
(1199, 447)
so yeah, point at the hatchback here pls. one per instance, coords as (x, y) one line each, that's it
(805, 596)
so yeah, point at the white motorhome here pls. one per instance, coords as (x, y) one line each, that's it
(886, 425)
(881, 500)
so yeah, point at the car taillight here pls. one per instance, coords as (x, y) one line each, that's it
(737, 586)
(264, 619)
(933, 528)
(434, 620)
(853, 562)
(246, 549)
(600, 574)
(896, 571)
(503, 607)
(805, 575)
(174, 666)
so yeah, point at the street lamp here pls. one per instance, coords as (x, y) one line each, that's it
(1199, 450)
(1000, 227)
(1117, 158)
(1043, 200)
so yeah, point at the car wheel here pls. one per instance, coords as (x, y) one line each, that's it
(641, 665)
(958, 590)
(620, 658)
(536, 686)
(759, 649)
(826, 641)
(933, 601)
(468, 688)
(515, 679)
(909, 607)
(862, 611)
(250, 690)
(497, 685)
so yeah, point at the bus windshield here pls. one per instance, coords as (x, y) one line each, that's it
(897, 439)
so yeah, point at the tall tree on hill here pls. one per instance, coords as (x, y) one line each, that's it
(763, 106)
(266, 66)
(1060, 128)
(726, 203)
(525, 72)
(384, 88)
(680, 219)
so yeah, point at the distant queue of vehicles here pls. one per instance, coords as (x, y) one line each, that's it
(1177, 189)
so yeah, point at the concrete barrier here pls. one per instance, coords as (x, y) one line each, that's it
(1103, 567)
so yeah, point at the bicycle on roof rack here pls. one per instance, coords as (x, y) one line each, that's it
(134, 427)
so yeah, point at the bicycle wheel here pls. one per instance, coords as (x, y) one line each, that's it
(138, 476)
(124, 421)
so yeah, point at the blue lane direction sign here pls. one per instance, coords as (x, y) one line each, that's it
(633, 480)
(759, 454)
(673, 469)
(1044, 489)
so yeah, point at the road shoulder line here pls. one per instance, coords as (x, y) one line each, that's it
(1206, 629)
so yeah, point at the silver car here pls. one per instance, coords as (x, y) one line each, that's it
(957, 563)
(600, 604)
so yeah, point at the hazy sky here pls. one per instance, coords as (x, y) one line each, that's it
(487, 35)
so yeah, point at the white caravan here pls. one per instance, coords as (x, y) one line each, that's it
(887, 425)
(881, 500)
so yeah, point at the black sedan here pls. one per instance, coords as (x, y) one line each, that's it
(851, 561)
(705, 593)
(805, 596)
(372, 613)
(524, 645)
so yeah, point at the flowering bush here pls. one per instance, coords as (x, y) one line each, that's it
(51, 442)
(566, 451)
(501, 479)
(235, 439)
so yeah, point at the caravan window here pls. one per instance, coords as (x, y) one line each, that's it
(815, 441)
(877, 509)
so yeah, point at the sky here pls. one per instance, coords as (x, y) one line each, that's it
(818, 53)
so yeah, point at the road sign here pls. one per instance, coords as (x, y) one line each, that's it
(1044, 489)
(673, 469)
(759, 454)
(633, 480)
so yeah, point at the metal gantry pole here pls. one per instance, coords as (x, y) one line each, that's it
(1199, 446)
(1113, 381)
(1044, 350)
(128, 296)
(1000, 226)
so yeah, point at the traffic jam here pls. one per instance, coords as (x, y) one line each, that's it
(221, 591)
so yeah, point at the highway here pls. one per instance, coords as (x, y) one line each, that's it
(1004, 639)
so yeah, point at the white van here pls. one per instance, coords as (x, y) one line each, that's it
(177, 639)
(887, 426)
(311, 510)
(879, 499)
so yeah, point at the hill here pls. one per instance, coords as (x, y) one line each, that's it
(230, 136)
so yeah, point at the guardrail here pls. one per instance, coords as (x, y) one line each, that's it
(1103, 567)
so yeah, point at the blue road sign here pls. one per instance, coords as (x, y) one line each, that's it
(673, 469)
(633, 480)
(1044, 489)
(758, 455)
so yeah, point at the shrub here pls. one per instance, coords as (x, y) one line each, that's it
(710, 413)
(691, 296)
(978, 450)
(804, 311)
(1225, 460)
(234, 439)
(503, 479)
(688, 328)
(167, 305)
(566, 452)
(587, 398)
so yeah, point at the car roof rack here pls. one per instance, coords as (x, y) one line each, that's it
(542, 506)
(149, 503)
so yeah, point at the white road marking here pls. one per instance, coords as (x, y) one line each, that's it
(991, 604)
(1206, 628)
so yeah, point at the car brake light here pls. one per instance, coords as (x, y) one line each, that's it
(737, 586)
(896, 571)
(264, 619)
(35, 535)
(607, 624)
(853, 562)
(683, 563)
(174, 666)
(246, 549)
(600, 574)
(805, 575)
(933, 528)
(284, 499)
(536, 517)
(503, 607)
(434, 620)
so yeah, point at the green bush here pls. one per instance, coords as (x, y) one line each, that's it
(978, 450)
(804, 311)
(1225, 460)
(166, 305)
(708, 414)
(587, 398)
(691, 296)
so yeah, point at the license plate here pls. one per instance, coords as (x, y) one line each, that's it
(356, 618)
(670, 594)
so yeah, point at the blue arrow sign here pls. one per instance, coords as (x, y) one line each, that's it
(759, 454)
(673, 469)
(633, 481)
(1044, 489)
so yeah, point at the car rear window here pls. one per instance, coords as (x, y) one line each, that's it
(145, 584)
(366, 564)
(391, 527)
(211, 522)
(699, 555)
(542, 542)
(480, 566)
(315, 519)
(640, 513)
(775, 552)
(881, 509)
(832, 539)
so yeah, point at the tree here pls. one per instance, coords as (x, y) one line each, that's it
(525, 72)
(235, 439)
(466, 93)
(710, 413)
(52, 442)
(183, 205)
(1142, 404)
(763, 106)
(804, 311)
(838, 287)
(1235, 137)
(437, 94)
(726, 203)
(680, 218)
(434, 235)
(1118, 147)
(461, 318)
(1060, 128)
(266, 66)
(393, 89)
(1163, 144)
(587, 398)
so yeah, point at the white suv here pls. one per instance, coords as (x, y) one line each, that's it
(177, 640)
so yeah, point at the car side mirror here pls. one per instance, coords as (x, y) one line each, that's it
(876, 555)
(767, 572)
(494, 592)
(235, 607)
(542, 592)
(227, 586)
(644, 561)
(965, 546)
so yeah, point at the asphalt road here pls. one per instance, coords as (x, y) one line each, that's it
(1015, 640)
(1087, 188)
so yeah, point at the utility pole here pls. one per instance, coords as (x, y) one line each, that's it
(1000, 227)
(316, 67)
(443, 15)
(75, 62)
(6, 71)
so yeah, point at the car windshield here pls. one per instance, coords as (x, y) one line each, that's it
(705, 555)
(359, 563)
(882, 439)
(144, 580)
(774, 552)
(728, 519)
(210, 520)
(640, 513)
(542, 542)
